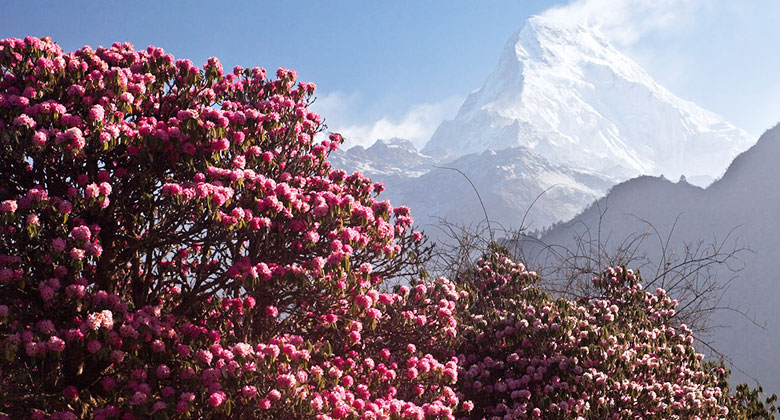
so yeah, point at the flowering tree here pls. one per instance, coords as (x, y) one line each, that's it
(616, 356)
(174, 244)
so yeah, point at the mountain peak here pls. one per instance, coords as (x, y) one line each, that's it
(396, 142)
(564, 92)
(543, 31)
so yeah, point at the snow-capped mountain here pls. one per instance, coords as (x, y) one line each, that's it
(740, 208)
(393, 158)
(562, 109)
(565, 93)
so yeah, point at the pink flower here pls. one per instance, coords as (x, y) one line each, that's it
(217, 398)
(364, 301)
(182, 407)
(126, 97)
(6, 275)
(274, 395)
(183, 350)
(249, 391)
(354, 337)
(33, 348)
(77, 254)
(47, 293)
(92, 191)
(271, 311)
(185, 114)
(93, 248)
(139, 398)
(24, 120)
(158, 346)
(264, 404)
(8, 206)
(159, 405)
(39, 139)
(108, 384)
(204, 356)
(94, 346)
(81, 233)
(97, 113)
(55, 344)
(468, 406)
(219, 145)
(172, 189)
(64, 207)
(76, 290)
(242, 349)
(117, 356)
(103, 319)
(285, 381)
(163, 371)
(104, 188)
(167, 391)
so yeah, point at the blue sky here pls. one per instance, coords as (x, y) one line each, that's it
(400, 67)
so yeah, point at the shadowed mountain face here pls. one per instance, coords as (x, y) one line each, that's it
(743, 206)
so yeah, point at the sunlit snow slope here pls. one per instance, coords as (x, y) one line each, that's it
(565, 93)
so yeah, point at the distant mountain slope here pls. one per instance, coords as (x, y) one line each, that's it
(508, 182)
(387, 157)
(747, 200)
(565, 93)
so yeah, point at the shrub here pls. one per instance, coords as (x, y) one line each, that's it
(619, 355)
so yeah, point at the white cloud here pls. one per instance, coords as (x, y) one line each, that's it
(624, 22)
(417, 124)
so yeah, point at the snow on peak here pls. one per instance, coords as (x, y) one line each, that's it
(564, 92)
(393, 157)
